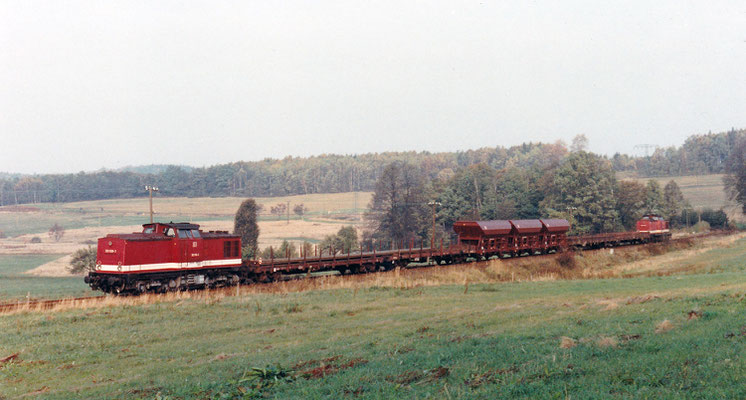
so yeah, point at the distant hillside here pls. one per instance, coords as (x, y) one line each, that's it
(153, 169)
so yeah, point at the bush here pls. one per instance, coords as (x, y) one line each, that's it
(84, 260)
(701, 226)
(35, 239)
(2, 235)
(567, 259)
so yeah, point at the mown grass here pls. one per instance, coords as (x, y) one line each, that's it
(15, 284)
(484, 340)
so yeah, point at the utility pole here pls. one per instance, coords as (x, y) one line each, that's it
(433, 203)
(288, 220)
(150, 190)
(646, 147)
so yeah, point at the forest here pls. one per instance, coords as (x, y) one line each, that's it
(329, 173)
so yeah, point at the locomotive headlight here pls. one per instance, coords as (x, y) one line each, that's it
(109, 242)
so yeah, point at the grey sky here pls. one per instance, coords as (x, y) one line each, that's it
(92, 84)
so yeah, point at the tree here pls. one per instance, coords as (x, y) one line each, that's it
(286, 250)
(673, 201)
(630, 198)
(398, 210)
(84, 260)
(582, 191)
(245, 225)
(56, 232)
(653, 197)
(348, 238)
(278, 209)
(735, 174)
(470, 193)
(579, 143)
(300, 209)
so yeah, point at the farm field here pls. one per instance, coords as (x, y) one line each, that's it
(702, 191)
(37, 218)
(673, 328)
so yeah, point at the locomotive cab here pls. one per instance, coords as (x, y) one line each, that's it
(653, 224)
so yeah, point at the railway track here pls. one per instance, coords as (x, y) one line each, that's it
(42, 304)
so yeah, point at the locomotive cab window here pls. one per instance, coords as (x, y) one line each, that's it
(169, 232)
(183, 234)
(195, 234)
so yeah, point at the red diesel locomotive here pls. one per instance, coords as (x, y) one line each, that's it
(165, 256)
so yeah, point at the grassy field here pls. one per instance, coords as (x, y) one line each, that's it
(14, 284)
(482, 333)
(37, 218)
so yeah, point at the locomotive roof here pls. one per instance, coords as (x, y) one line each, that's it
(177, 225)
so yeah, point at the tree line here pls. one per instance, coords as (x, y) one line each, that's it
(580, 187)
(344, 173)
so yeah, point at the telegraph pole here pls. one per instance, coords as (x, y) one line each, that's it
(433, 203)
(150, 190)
(647, 147)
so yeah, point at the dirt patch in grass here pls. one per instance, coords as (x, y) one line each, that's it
(664, 326)
(607, 341)
(567, 342)
(316, 369)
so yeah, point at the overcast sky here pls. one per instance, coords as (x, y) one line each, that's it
(86, 85)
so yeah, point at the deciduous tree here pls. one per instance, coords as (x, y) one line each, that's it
(56, 232)
(582, 190)
(735, 174)
(84, 260)
(653, 197)
(630, 197)
(245, 225)
(673, 201)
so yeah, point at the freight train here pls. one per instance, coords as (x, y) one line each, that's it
(180, 256)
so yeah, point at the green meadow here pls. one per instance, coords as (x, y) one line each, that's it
(681, 335)
(16, 285)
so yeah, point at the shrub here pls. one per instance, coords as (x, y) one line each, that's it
(35, 239)
(84, 260)
(701, 226)
(2, 235)
(567, 259)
